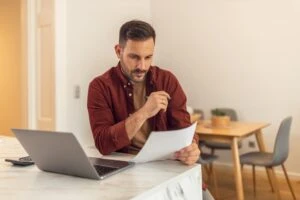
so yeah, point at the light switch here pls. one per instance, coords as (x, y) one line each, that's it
(77, 92)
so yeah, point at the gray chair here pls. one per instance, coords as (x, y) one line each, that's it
(223, 146)
(206, 160)
(277, 157)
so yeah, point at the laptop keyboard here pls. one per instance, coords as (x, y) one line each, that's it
(102, 170)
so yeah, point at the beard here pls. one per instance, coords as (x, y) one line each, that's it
(136, 75)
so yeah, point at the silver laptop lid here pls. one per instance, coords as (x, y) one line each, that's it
(57, 152)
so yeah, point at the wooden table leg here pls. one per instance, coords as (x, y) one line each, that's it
(237, 169)
(270, 171)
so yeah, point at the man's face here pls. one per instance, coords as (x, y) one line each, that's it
(135, 58)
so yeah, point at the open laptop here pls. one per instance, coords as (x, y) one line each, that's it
(61, 153)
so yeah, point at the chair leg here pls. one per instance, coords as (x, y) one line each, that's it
(205, 170)
(275, 183)
(214, 180)
(270, 181)
(288, 180)
(210, 168)
(212, 151)
(254, 180)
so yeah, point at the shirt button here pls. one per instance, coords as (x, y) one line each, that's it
(130, 94)
(128, 83)
(125, 86)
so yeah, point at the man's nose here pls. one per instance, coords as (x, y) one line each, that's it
(142, 64)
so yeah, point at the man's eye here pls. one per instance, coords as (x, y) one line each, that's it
(134, 57)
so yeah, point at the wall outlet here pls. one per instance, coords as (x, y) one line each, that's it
(76, 91)
(251, 144)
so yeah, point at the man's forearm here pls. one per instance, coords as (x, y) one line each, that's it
(134, 122)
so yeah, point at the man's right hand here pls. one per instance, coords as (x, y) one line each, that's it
(155, 102)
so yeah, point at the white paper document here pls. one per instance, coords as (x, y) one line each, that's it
(162, 145)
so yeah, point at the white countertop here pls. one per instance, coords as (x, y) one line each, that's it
(140, 181)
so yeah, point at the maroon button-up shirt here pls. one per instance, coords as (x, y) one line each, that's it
(110, 102)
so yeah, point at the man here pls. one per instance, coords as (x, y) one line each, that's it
(134, 98)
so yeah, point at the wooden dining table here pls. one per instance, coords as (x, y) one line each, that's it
(232, 134)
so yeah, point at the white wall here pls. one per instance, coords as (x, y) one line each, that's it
(235, 53)
(86, 32)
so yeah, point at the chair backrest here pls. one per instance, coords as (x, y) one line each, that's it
(281, 148)
(230, 112)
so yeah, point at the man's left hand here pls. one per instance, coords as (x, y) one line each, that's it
(188, 155)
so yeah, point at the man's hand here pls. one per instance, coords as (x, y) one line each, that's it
(188, 155)
(155, 102)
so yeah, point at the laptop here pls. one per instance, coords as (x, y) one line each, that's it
(61, 153)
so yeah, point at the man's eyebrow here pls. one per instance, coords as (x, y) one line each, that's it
(134, 54)
(138, 56)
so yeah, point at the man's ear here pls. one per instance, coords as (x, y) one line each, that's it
(118, 50)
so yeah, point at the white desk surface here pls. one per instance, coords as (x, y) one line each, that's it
(139, 182)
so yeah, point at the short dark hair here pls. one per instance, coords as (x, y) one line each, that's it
(135, 30)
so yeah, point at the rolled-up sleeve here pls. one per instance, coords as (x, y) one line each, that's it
(109, 135)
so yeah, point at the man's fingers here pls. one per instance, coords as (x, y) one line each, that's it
(193, 152)
(163, 105)
(186, 154)
(187, 149)
(155, 102)
(163, 94)
(164, 101)
(189, 154)
(160, 99)
(189, 160)
(190, 148)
